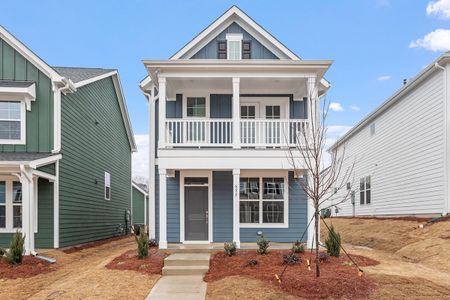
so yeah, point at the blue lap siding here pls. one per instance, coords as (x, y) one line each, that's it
(222, 206)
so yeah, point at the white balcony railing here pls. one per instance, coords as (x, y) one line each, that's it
(219, 132)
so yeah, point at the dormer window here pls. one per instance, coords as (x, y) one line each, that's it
(234, 45)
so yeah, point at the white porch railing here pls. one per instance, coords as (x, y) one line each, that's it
(219, 132)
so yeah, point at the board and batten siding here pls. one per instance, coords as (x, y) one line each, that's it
(405, 156)
(94, 141)
(138, 211)
(258, 51)
(39, 121)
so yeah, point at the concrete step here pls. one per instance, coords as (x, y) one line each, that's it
(187, 259)
(185, 270)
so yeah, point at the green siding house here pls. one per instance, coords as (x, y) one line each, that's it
(65, 151)
(139, 212)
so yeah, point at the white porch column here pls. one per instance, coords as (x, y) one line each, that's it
(152, 154)
(310, 242)
(312, 91)
(162, 209)
(27, 209)
(236, 233)
(236, 114)
(162, 112)
(56, 207)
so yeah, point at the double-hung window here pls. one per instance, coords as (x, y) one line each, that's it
(263, 201)
(107, 186)
(10, 205)
(234, 46)
(365, 190)
(196, 107)
(12, 122)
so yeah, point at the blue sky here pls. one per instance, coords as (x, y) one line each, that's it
(374, 43)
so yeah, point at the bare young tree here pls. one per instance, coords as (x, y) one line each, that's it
(306, 158)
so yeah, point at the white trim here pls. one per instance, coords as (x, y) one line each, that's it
(26, 94)
(236, 228)
(9, 180)
(447, 138)
(49, 177)
(152, 162)
(236, 15)
(234, 37)
(202, 94)
(44, 161)
(56, 207)
(23, 127)
(261, 174)
(196, 173)
(36, 206)
(94, 79)
(162, 208)
(107, 184)
(139, 189)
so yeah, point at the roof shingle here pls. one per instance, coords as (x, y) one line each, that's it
(79, 74)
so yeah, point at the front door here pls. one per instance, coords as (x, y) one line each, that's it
(196, 213)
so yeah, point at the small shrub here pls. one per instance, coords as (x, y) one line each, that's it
(323, 256)
(333, 242)
(251, 263)
(326, 212)
(298, 247)
(142, 241)
(263, 245)
(152, 243)
(2, 252)
(16, 249)
(136, 229)
(290, 259)
(230, 248)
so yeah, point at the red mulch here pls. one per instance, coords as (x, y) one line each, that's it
(80, 247)
(130, 261)
(30, 266)
(338, 279)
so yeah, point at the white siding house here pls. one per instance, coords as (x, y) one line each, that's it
(401, 150)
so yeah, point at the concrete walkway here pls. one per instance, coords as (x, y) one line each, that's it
(182, 277)
(186, 287)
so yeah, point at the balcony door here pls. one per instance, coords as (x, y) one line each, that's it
(249, 111)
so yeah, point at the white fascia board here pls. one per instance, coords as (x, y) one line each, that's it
(139, 189)
(18, 93)
(34, 164)
(29, 55)
(124, 111)
(94, 79)
(249, 25)
(430, 69)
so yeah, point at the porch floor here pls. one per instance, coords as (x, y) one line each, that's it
(205, 248)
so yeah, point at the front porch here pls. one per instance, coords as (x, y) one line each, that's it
(203, 208)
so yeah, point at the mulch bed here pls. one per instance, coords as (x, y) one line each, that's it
(30, 266)
(339, 278)
(130, 261)
(80, 247)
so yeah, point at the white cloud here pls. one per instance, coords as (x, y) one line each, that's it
(354, 107)
(336, 106)
(336, 131)
(439, 8)
(140, 158)
(384, 77)
(438, 40)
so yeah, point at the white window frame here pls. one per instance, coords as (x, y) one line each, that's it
(261, 175)
(199, 95)
(234, 37)
(23, 126)
(16, 204)
(107, 185)
(9, 228)
(365, 190)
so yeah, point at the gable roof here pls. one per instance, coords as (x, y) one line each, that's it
(77, 74)
(142, 188)
(397, 96)
(235, 14)
(73, 76)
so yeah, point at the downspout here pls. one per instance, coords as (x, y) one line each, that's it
(68, 86)
(446, 140)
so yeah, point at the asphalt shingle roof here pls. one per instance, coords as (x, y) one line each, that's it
(22, 156)
(80, 74)
(14, 83)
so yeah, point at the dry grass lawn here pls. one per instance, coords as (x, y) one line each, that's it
(82, 275)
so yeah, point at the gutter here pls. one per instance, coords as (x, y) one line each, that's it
(66, 88)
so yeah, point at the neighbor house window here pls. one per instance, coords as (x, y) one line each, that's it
(262, 200)
(107, 186)
(12, 122)
(2, 204)
(234, 46)
(365, 190)
(196, 107)
(17, 204)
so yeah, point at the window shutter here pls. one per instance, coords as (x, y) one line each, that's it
(246, 49)
(222, 49)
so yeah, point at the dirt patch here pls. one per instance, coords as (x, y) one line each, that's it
(397, 287)
(29, 267)
(339, 278)
(427, 245)
(130, 261)
(80, 247)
